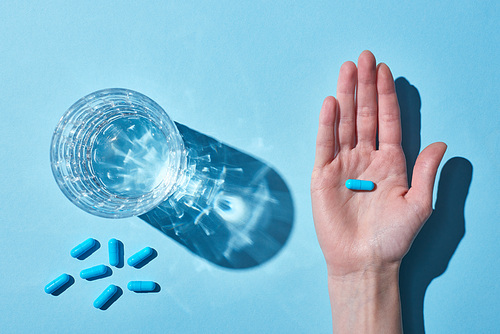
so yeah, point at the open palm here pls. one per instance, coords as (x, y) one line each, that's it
(358, 230)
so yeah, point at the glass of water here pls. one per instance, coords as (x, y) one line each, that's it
(116, 153)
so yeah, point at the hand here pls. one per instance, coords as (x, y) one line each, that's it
(359, 230)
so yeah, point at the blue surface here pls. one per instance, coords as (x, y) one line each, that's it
(253, 75)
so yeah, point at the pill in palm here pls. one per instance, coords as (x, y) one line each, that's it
(105, 296)
(354, 184)
(57, 283)
(140, 256)
(141, 286)
(94, 272)
(82, 248)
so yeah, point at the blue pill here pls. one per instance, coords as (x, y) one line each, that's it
(140, 256)
(114, 252)
(359, 184)
(82, 248)
(105, 296)
(57, 283)
(94, 272)
(141, 286)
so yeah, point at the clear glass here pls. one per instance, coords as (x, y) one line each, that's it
(115, 153)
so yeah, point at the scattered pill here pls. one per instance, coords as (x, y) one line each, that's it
(359, 184)
(94, 272)
(114, 252)
(141, 286)
(140, 256)
(57, 283)
(82, 248)
(105, 296)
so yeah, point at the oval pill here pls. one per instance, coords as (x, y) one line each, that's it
(105, 296)
(140, 256)
(94, 272)
(354, 184)
(114, 252)
(82, 248)
(141, 286)
(57, 283)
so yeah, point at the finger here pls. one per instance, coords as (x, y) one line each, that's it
(325, 140)
(424, 174)
(366, 100)
(346, 88)
(389, 122)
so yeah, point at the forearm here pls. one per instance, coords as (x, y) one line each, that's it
(366, 302)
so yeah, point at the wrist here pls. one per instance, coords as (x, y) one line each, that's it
(366, 301)
(366, 272)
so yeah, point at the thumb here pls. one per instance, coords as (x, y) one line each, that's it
(424, 174)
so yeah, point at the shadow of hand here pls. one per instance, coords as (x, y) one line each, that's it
(438, 239)
(434, 246)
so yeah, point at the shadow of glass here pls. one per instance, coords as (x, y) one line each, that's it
(437, 241)
(244, 215)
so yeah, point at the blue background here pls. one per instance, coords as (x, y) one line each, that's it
(253, 75)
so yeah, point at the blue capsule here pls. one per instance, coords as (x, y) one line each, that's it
(57, 283)
(105, 296)
(94, 272)
(359, 185)
(140, 256)
(84, 247)
(114, 252)
(141, 286)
